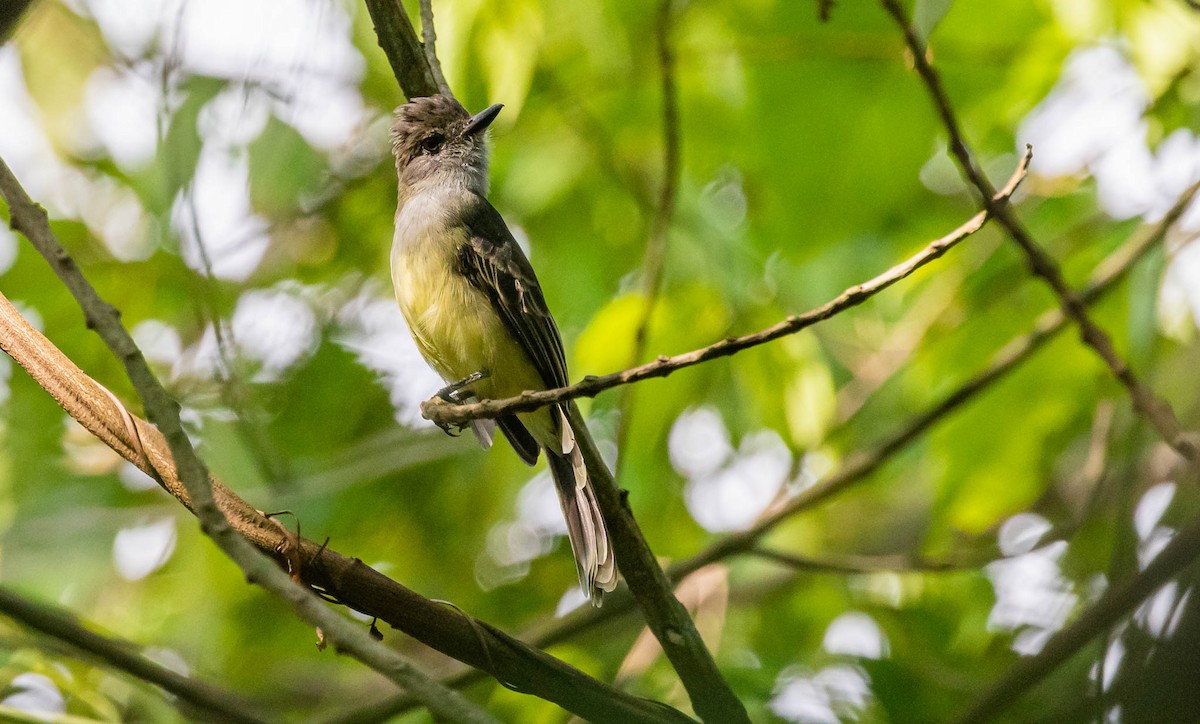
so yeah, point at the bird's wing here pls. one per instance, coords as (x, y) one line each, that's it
(493, 262)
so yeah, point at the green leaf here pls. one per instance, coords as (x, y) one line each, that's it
(179, 152)
(283, 168)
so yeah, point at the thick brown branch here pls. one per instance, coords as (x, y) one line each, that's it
(404, 52)
(348, 580)
(1156, 410)
(31, 220)
(445, 413)
(125, 656)
(712, 698)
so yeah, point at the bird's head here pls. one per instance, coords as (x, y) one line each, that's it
(435, 140)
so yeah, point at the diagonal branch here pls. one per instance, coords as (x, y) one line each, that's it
(125, 656)
(31, 220)
(445, 413)
(348, 580)
(1116, 603)
(1108, 273)
(711, 695)
(1156, 410)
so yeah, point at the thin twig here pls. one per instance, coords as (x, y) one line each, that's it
(125, 656)
(31, 220)
(446, 413)
(654, 263)
(1156, 410)
(863, 564)
(429, 36)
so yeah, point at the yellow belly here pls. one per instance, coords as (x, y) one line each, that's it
(459, 333)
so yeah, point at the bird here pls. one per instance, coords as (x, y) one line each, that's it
(477, 313)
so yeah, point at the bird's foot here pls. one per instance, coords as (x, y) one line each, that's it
(457, 393)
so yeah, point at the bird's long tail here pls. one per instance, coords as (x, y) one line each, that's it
(594, 558)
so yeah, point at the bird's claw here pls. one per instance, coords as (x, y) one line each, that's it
(453, 429)
(457, 392)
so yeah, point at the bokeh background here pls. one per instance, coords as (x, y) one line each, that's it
(220, 170)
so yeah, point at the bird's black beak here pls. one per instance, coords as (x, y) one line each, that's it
(481, 120)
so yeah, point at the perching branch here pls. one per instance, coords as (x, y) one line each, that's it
(445, 413)
(654, 262)
(1156, 410)
(858, 466)
(348, 580)
(1108, 273)
(125, 656)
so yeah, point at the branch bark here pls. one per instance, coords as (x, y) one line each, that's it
(446, 413)
(31, 221)
(404, 52)
(1107, 274)
(348, 580)
(1153, 408)
(429, 36)
(125, 656)
(712, 698)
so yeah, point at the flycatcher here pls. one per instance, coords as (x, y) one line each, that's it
(476, 310)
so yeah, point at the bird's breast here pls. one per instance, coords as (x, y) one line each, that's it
(450, 320)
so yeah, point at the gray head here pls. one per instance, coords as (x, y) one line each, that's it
(435, 139)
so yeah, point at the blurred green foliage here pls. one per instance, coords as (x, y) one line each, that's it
(812, 160)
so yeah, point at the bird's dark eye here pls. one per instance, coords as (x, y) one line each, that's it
(433, 142)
